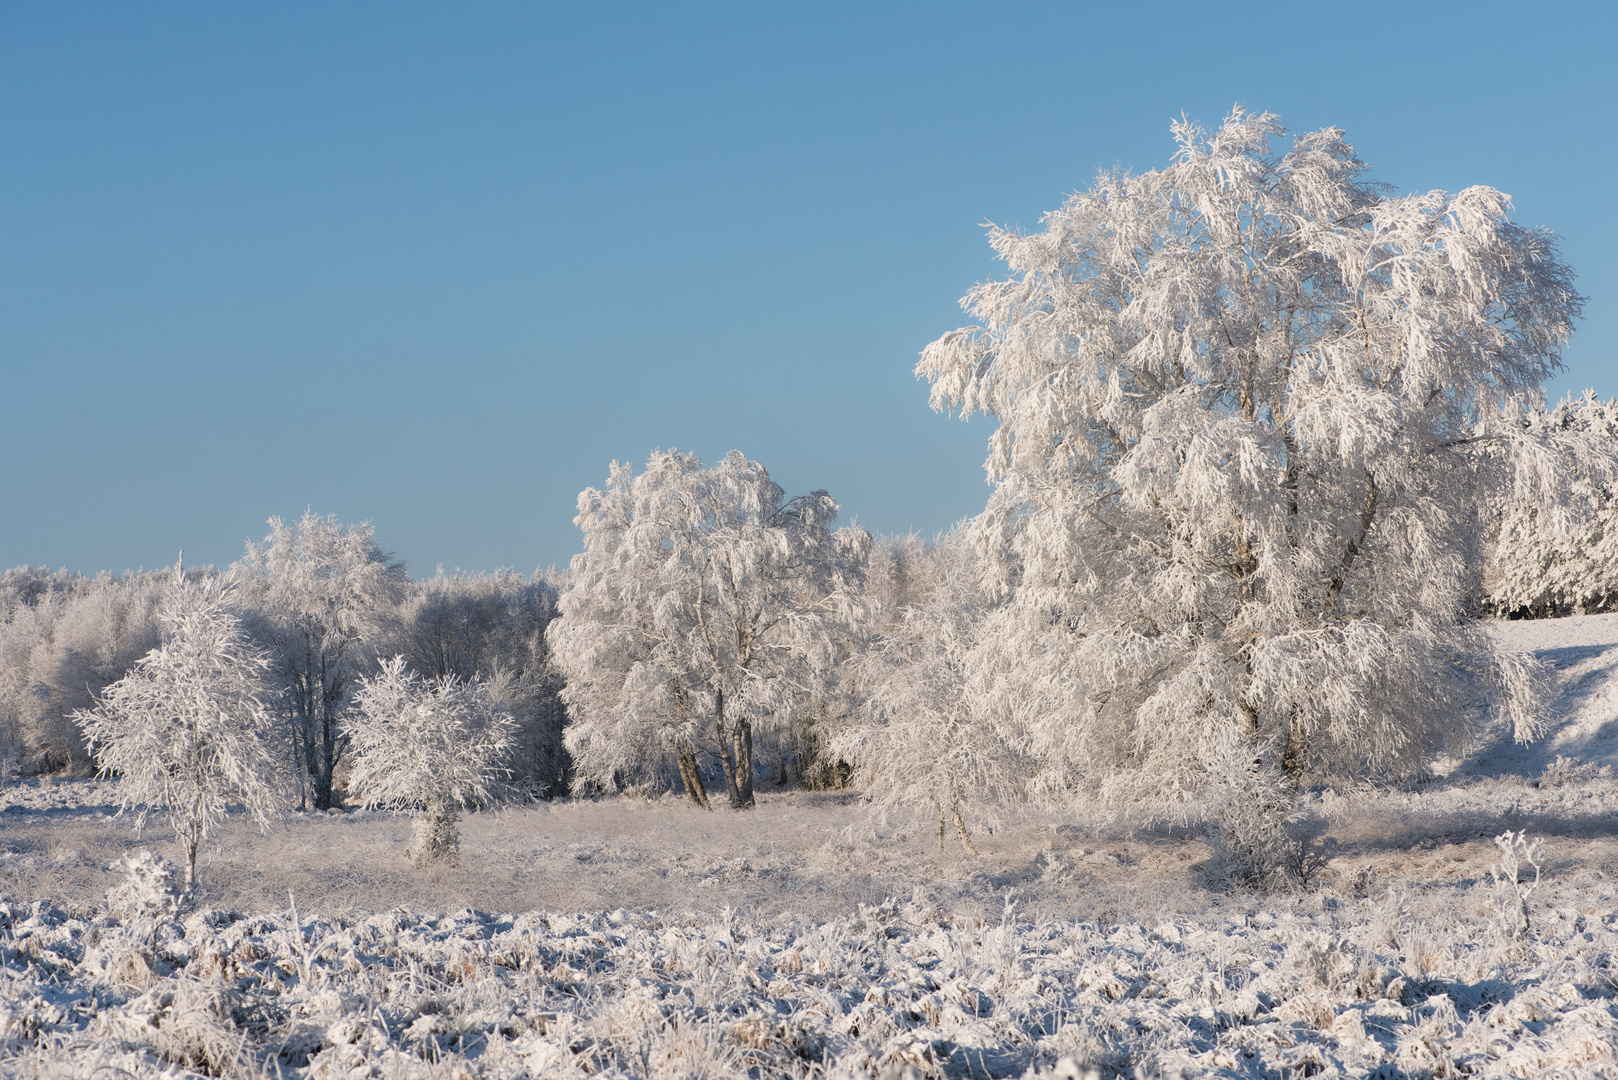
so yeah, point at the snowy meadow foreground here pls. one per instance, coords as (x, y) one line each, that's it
(624, 937)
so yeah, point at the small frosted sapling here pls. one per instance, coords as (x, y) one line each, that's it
(188, 729)
(147, 895)
(433, 745)
(1511, 890)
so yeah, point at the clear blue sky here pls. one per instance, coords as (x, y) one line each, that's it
(437, 265)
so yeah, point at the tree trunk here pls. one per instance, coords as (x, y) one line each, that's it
(434, 834)
(960, 825)
(727, 752)
(742, 738)
(781, 759)
(1295, 755)
(193, 839)
(690, 777)
(299, 768)
(324, 762)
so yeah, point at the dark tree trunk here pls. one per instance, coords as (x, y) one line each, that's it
(324, 761)
(690, 777)
(727, 757)
(1295, 755)
(330, 695)
(742, 743)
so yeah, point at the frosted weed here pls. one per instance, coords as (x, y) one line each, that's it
(1511, 891)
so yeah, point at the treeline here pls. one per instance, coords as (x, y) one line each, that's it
(327, 605)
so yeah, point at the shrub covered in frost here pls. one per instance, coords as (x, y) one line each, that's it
(432, 745)
(189, 729)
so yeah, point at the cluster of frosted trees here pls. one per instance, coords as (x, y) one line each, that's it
(326, 607)
(1269, 438)
(1560, 559)
(1260, 421)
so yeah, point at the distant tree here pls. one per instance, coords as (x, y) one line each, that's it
(702, 607)
(189, 728)
(492, 627)
(432, 745)
(1562, 559)
(1250, 407)
(325, 596)
(63, 639)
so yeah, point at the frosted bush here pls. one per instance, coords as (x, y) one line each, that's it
(1565, 771)
(934, 738)
(148, 891)
(1257, 839)
(432, 745)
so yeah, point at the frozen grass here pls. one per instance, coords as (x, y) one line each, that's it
(807, 853)
(1417, 981)
(800, 939)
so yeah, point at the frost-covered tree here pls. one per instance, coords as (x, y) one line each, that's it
(702, 607)
(492, 626)
(326, 595)
(63, 639)
(1562, 560)
(1248, 406)
(929, 736)
(189, 729)
(432, 745)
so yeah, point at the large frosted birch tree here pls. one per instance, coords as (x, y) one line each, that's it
(1248, 406)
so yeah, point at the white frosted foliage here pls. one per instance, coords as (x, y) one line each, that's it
(705, 605)
(933, 737)
(432, 745)
(1250, 406)
(327, 594)
(1563, 559)
(188, 729)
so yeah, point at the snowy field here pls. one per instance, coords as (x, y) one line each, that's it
(652, 939)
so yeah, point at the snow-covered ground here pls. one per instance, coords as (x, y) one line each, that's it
(1583, 719)
(652, 939)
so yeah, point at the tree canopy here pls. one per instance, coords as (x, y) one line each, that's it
(1249, 409)
(705, 603)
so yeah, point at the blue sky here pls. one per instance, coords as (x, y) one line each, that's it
(436, 265)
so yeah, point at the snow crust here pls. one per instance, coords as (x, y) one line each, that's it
(1582, 652)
